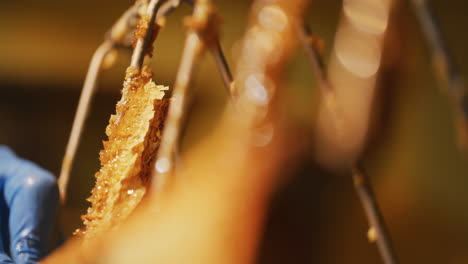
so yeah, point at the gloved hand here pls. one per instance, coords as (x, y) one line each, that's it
(28, 208)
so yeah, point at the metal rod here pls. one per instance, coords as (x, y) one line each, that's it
(361, 181)
(378, 230)
(223, 67)
(313, 55)
(194, 45)
(445, 67)
(80, 116)
(165, 159)
(220, 60)
(143, 42)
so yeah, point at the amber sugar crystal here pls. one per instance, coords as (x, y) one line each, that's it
(134, 134)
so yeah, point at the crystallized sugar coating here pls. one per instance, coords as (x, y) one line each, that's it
(133, 134)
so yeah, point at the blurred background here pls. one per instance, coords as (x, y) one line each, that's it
(419, 174)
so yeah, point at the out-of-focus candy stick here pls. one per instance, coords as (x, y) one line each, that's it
(352, 73)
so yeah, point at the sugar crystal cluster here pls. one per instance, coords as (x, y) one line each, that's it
(134, 134)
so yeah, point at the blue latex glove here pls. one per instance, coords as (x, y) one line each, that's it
(28, 209)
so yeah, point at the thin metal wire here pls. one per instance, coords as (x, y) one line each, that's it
(361, 182)
(165, 159)
(80, 116)
(220, 60)
(143, 42)
(374, 216)
(195, 43)
(223, 67)
(114, 38)
(315, 59)
(445, 67)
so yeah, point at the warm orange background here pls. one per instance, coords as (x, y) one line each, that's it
(419, 174)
